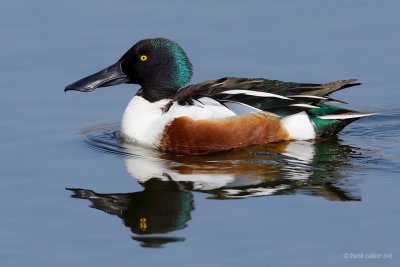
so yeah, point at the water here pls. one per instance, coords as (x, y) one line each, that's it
(73, 194)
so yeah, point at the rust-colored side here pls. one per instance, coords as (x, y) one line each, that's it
(188, 136)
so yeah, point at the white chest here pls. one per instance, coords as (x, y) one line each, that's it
(140, 116)
(143, 121)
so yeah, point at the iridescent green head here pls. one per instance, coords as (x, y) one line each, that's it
(159, 65)
(157, 62)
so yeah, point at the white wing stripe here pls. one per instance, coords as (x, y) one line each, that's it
(231, 105)
(309, 96)
(304, 106)
(253, 93)
(345, 116)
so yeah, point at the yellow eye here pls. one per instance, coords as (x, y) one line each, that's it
(143, 58)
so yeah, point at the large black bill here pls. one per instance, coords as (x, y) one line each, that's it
(111, 75)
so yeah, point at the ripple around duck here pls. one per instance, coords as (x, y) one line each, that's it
(384, 125)
(379, 134)
(315, 168)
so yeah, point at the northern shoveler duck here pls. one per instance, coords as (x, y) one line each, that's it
(215, 115)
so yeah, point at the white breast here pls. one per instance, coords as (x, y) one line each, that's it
(143, 121)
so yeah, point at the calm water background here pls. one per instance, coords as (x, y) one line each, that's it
(47, 44)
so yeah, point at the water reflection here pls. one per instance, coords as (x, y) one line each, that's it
(160, 208)
(166, 203)
(275, 169)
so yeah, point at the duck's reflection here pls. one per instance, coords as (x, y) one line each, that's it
(160, 208)
(166, 202)
(275, 169)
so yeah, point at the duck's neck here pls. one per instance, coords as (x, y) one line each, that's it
(153, 94)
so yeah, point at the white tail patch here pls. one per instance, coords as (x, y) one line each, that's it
(299, 126)
(253, 93)
(345, 116)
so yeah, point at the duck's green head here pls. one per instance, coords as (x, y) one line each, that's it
(155, 64)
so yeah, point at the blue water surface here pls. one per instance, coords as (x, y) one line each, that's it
(72, 195)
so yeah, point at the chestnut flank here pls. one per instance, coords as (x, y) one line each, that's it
(188, 136)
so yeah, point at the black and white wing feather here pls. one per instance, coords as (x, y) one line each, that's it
(282, 98)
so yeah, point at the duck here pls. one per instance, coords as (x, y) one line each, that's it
(169, 114)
